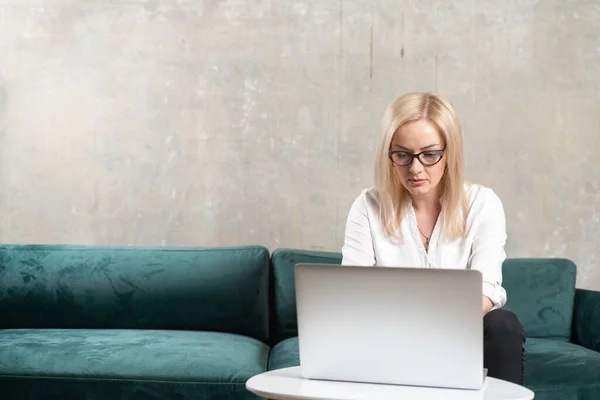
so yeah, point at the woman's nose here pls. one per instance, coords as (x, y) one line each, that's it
(416, 165)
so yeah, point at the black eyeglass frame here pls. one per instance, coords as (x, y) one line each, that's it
(417, 156)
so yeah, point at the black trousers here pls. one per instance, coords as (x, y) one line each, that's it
(503, 346)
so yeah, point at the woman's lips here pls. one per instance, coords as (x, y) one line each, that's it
(417, 182)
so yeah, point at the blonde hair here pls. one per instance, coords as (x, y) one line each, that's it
(392, 195)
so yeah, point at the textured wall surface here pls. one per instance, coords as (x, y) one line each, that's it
(190, 122)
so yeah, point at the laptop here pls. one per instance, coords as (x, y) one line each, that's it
(402, 326)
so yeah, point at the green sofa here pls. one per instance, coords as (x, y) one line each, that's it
(98, 322)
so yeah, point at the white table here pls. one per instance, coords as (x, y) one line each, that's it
(287, 384)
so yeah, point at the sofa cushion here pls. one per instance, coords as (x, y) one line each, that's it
(284, 354)
(283, 262)
(554, 369)
(126, 363)
(586, 314)
(217, 289)
(541, 292)
(559, 370)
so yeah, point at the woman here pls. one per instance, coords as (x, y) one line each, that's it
(420, 212)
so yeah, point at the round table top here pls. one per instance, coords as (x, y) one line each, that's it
(288, 383)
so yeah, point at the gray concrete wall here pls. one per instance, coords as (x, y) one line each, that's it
(201, 123)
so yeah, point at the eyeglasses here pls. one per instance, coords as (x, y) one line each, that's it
(427, 158)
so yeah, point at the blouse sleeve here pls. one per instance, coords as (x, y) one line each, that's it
(358, 243)
(488, 253)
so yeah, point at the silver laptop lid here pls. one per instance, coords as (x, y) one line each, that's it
(408, 326)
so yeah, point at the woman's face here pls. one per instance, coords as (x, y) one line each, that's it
(423, 175)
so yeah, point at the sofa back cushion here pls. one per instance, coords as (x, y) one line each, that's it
(284, 288)
(540, 292)
(216, 289)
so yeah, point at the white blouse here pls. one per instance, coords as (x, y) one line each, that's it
(481, 248)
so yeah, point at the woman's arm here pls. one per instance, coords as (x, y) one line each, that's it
(487, 305)
(358, 243)
(487, 253)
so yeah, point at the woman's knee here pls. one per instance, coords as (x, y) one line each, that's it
(502, 323)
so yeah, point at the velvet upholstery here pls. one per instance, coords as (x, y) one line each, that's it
(214, 289)
(586, 321)
(284, 296)
(541, 292)
(284, 354)
(101, 322)
(130, 364)
(558, 370)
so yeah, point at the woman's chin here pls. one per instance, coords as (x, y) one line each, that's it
(418, 190)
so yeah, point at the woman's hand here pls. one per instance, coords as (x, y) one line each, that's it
(487, 305)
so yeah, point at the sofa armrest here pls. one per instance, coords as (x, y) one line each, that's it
(586, 319)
